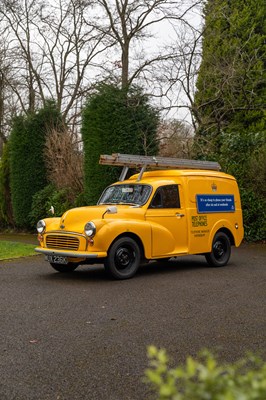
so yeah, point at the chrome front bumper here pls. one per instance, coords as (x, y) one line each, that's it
(70, 254)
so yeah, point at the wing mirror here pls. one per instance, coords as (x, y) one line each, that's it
(110, 210)
(51, 210)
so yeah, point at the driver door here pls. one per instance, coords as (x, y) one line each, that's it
(168, 222)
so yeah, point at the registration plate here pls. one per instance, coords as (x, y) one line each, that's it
(56, 259)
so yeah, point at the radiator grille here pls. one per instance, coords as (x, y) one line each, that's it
(62, 242)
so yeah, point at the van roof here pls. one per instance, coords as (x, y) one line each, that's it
(164, 174)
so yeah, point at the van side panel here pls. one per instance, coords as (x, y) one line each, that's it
(221, 210)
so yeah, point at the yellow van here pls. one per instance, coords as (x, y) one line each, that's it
(178, 207)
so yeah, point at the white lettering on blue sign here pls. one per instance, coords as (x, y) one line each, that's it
(215, 203)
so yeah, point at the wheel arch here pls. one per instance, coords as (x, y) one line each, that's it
(132, 236)
(228, 233)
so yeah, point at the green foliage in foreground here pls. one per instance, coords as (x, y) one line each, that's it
(10, 250)
(203, 378)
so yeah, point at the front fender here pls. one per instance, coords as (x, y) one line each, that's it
(108, 231)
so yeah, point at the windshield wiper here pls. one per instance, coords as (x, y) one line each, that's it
(121, 203)
(102, 204)
(127, 204)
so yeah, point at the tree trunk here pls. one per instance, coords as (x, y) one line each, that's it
(125, 65)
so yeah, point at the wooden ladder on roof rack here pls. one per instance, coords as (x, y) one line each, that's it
(135, 161)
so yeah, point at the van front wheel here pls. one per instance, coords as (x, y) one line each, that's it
(123, 258)
(221, 251)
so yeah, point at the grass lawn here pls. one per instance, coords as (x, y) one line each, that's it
(10, 250)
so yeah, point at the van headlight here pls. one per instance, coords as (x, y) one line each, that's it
(90, 229)
(41, 225)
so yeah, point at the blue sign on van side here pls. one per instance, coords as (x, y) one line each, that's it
(215, 203)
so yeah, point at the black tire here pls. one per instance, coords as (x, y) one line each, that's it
(65, 268)
(221, 251)
(123, 258)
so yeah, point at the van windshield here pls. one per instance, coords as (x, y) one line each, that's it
(131, 194)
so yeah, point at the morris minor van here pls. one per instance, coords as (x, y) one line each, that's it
(177, 208)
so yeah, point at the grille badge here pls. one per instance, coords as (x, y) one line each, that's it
(62, 226)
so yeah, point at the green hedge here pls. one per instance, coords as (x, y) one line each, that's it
(28, 171)
(6, 214)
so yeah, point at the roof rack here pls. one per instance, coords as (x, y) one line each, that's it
(135, 161)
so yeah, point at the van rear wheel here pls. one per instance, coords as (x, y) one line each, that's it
(221, 251)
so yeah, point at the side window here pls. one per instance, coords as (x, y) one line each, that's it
(166, 197)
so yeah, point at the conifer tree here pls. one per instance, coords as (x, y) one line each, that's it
(231, 86)
(115, 121)
(230, 102)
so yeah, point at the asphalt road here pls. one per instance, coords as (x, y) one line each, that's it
(83, 336)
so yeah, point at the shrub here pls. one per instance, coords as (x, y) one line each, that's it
(64, 161)
(60, 201)
(44, 199)
(204, 378)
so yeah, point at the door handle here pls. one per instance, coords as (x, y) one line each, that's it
(180, 215)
